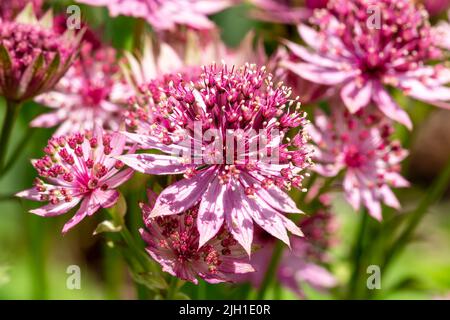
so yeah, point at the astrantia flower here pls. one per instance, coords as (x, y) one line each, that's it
(435, 7)
(166, 14)
(78, 168)
(32, 56)
(361, 47)
(286, 11)
(173, 241)
(90, 93)
(359, 144)
(10, 8)
(235, 186)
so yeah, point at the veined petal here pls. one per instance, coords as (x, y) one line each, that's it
(51, 210)
(182, 195)
(153, 163)
(211, 212)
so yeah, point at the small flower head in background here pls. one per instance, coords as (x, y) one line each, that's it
(286, 11)
(436, 7)
(166, 14)
(173, 241)
(359, 144)
(33, 57)
(92, 92)
(305, 263)
(228, 103)
(442, 30)
(10, 8)
(78, 168)
(350, 49)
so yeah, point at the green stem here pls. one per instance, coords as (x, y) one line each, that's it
(271, 270)
(138, 252)
(357, 255)
(18, 151)
(12, 110)
(434, 193)
(173, 288)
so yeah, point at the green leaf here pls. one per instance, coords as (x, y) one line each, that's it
(153, 281)
(181, 296)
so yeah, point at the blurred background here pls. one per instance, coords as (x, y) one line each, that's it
(34, 256)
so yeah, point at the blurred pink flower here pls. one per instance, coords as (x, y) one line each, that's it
(360, 56)
(245, 187)
(10, 8)
(286, 11)
(166, 14)
(304, 263)
(442, 30)
(173, 241)
(359, 144)
(33, 57)
(92, 92)
(78, 168)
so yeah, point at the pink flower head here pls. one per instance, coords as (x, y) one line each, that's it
(173, 241)
(233, 186)
(10, 8)
(79, 168)
(166, 14)
(90, 93)
(286, 11)
(32, 56)
(359, 144)
(362, 46)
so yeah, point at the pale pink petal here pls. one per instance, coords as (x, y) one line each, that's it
(119, 178)
(153, 163)
(238, 219)
(389, 107)
(182, 195)
(51, 210)
(356, 97)
(211, 212)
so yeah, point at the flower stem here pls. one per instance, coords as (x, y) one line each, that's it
(357, 255)
(271, 270)
(433, 194)
(12, 110)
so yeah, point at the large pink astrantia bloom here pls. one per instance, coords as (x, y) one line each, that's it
(10, 8)
(166, 14)
(286, 11)
(33, 57)
(173, 241)
(90, 93)
(245, 187)
(361, 47)
(79, 168)
(359, 144)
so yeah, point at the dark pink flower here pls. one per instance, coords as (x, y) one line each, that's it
(436, 7)
(235, 186)
(33, 57)
(92, 92)
(173, 241)
(359, 144)
(166, 14)
(363, 47)
(79, 168)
